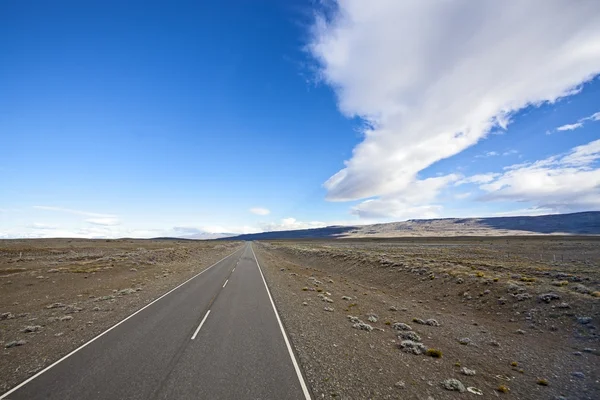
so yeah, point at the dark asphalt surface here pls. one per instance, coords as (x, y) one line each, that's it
(239, 353)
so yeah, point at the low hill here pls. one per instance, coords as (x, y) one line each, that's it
(582, 223)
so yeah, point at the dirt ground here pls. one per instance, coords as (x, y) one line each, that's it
(56, 294)
(513, 317)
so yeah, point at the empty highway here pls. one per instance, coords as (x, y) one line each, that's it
(216, 336)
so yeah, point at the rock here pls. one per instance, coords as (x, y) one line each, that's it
(373, 318)
(346, 298)
(6, 315)
(400, 385)
(454, 384)
(409, 335)
(304, 303)
(432, 322)
(362, 326)
(31, 329)
(459, 280)
(66, 318)
(494, 343)
(353, 319)
(522, 296)
(126, 291)
(579, 288)
(563, 305)
(15, 343)
(393, 308)
(584, 320)
(72, 308)
(399, 326)
(410, 346)
(468, 372)
(464, 341)
(329, 309)
(548, 297)
(520, 331)
(419, 321)
(56, 305)
(578, 374)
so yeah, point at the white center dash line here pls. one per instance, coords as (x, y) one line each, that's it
(225, 282)
(200, 326)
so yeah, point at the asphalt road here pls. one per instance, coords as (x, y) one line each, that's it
(218, 336)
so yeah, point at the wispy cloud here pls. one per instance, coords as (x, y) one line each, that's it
(107, 221)
(74, 212)
(570, 127)
(39, 225)
(579, 123)
(433, 78)
(291, 224)
(479, 178)
(260, 211)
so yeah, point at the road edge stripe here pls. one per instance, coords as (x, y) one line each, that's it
(285, 338)
(25, 382)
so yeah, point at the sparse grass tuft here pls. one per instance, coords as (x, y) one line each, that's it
(502, 389)
(514, 364)
(457, 364)
(596, 294)
(435, 353)
(527, 279)
(304, 289)
(480, 274)
(542, 382)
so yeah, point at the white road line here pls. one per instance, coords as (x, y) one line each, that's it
(108, 330)
(287, 342)
(200, 326)
(225, 282)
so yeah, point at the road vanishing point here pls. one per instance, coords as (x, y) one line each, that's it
(215, 336)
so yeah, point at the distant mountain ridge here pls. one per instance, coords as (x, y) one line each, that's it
(581, 223)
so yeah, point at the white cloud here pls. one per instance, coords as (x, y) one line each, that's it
(562, 183)
(462, 196)
(95, 218)
(432, 78)
(107, 221)
(260, 211)
(579, 124)
(570, 127)
(412, 202)
(291, 224)
(479, 178)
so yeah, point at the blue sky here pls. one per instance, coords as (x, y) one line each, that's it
(157, 118)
